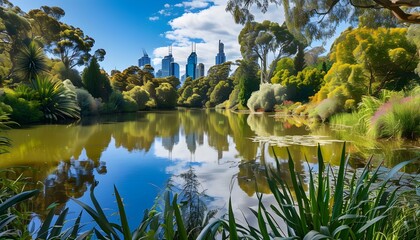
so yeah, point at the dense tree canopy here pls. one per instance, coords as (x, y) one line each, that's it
(367, 61)
(315, 19)
(257, 40)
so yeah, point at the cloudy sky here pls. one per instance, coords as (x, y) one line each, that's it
(125, 27)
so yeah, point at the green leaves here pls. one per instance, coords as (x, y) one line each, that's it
(332, 208)
(56, 101)
(31, 62)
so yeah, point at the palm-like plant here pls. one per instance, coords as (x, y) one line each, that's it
(56, 101)
(31, 62)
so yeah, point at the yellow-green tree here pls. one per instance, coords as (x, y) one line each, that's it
(367, 61)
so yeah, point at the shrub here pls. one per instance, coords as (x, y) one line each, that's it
(88, 105)
(56, 100)
(267, 97)
(233, 98)
(166, 96)
(326, 108)
(21, 110)
(220, 93)
(140, 95)
(194, 100)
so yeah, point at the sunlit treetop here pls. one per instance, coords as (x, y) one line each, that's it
(318, 19)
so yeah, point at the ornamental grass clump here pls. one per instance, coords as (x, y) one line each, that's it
(337, 206)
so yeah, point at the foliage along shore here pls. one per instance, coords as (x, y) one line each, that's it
(300, 80)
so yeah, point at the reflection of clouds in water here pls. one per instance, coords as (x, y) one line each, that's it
(218, 177)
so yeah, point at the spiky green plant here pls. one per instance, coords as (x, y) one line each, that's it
(4, 141)
(56, 101)
(152, 226)
(333, 208)
(31, 62)
(6, 214)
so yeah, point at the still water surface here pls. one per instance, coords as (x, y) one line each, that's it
(140, 153)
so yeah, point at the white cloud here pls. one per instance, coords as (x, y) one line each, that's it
(155, 18)
(165, 12)
(206, 27)
(179, 5)
(167, 5)
(197, 4)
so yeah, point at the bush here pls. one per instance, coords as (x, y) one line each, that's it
(139, 95)
(326, 108)
(194, 101)
(166, 96)
(56, 100)
(119, 102)
(88, 105)
(267, 97)
(21, 110)
(220, 93)
(233, 98)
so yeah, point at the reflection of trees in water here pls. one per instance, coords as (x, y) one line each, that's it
(69, 180)
(252, 176)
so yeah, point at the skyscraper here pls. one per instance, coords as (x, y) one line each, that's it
(199, 72)
(221, 57)
(174, 69)
(144, 60)
(191, 64)
(166, 64)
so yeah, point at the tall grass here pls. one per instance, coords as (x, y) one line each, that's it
(389, 116)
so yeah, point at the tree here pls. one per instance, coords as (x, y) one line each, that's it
(304, 85)
(73, 47)
(367, 61)
(257, 40)
(166, 96)
(413, 34)
(221, 92)
(44, 25)
(14, 34)
(247, 77)
(96, 82)
(318, 19)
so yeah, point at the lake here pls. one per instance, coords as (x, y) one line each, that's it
(143, 154)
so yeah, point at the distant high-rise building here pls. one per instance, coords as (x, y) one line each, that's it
(166, 64)
(199, 71)
(159, 74)
(174, 69)
(221, 57)
(144, 60)
(191, 64)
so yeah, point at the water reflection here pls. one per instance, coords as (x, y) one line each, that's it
(139, 150)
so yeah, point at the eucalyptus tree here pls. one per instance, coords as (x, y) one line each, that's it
(14, 34)
(257, 40)
(73, 47)
(318, 19)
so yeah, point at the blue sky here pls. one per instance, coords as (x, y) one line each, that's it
(125, 27)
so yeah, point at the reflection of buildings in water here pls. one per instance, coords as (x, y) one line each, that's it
(169, 142)
(190, 139)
